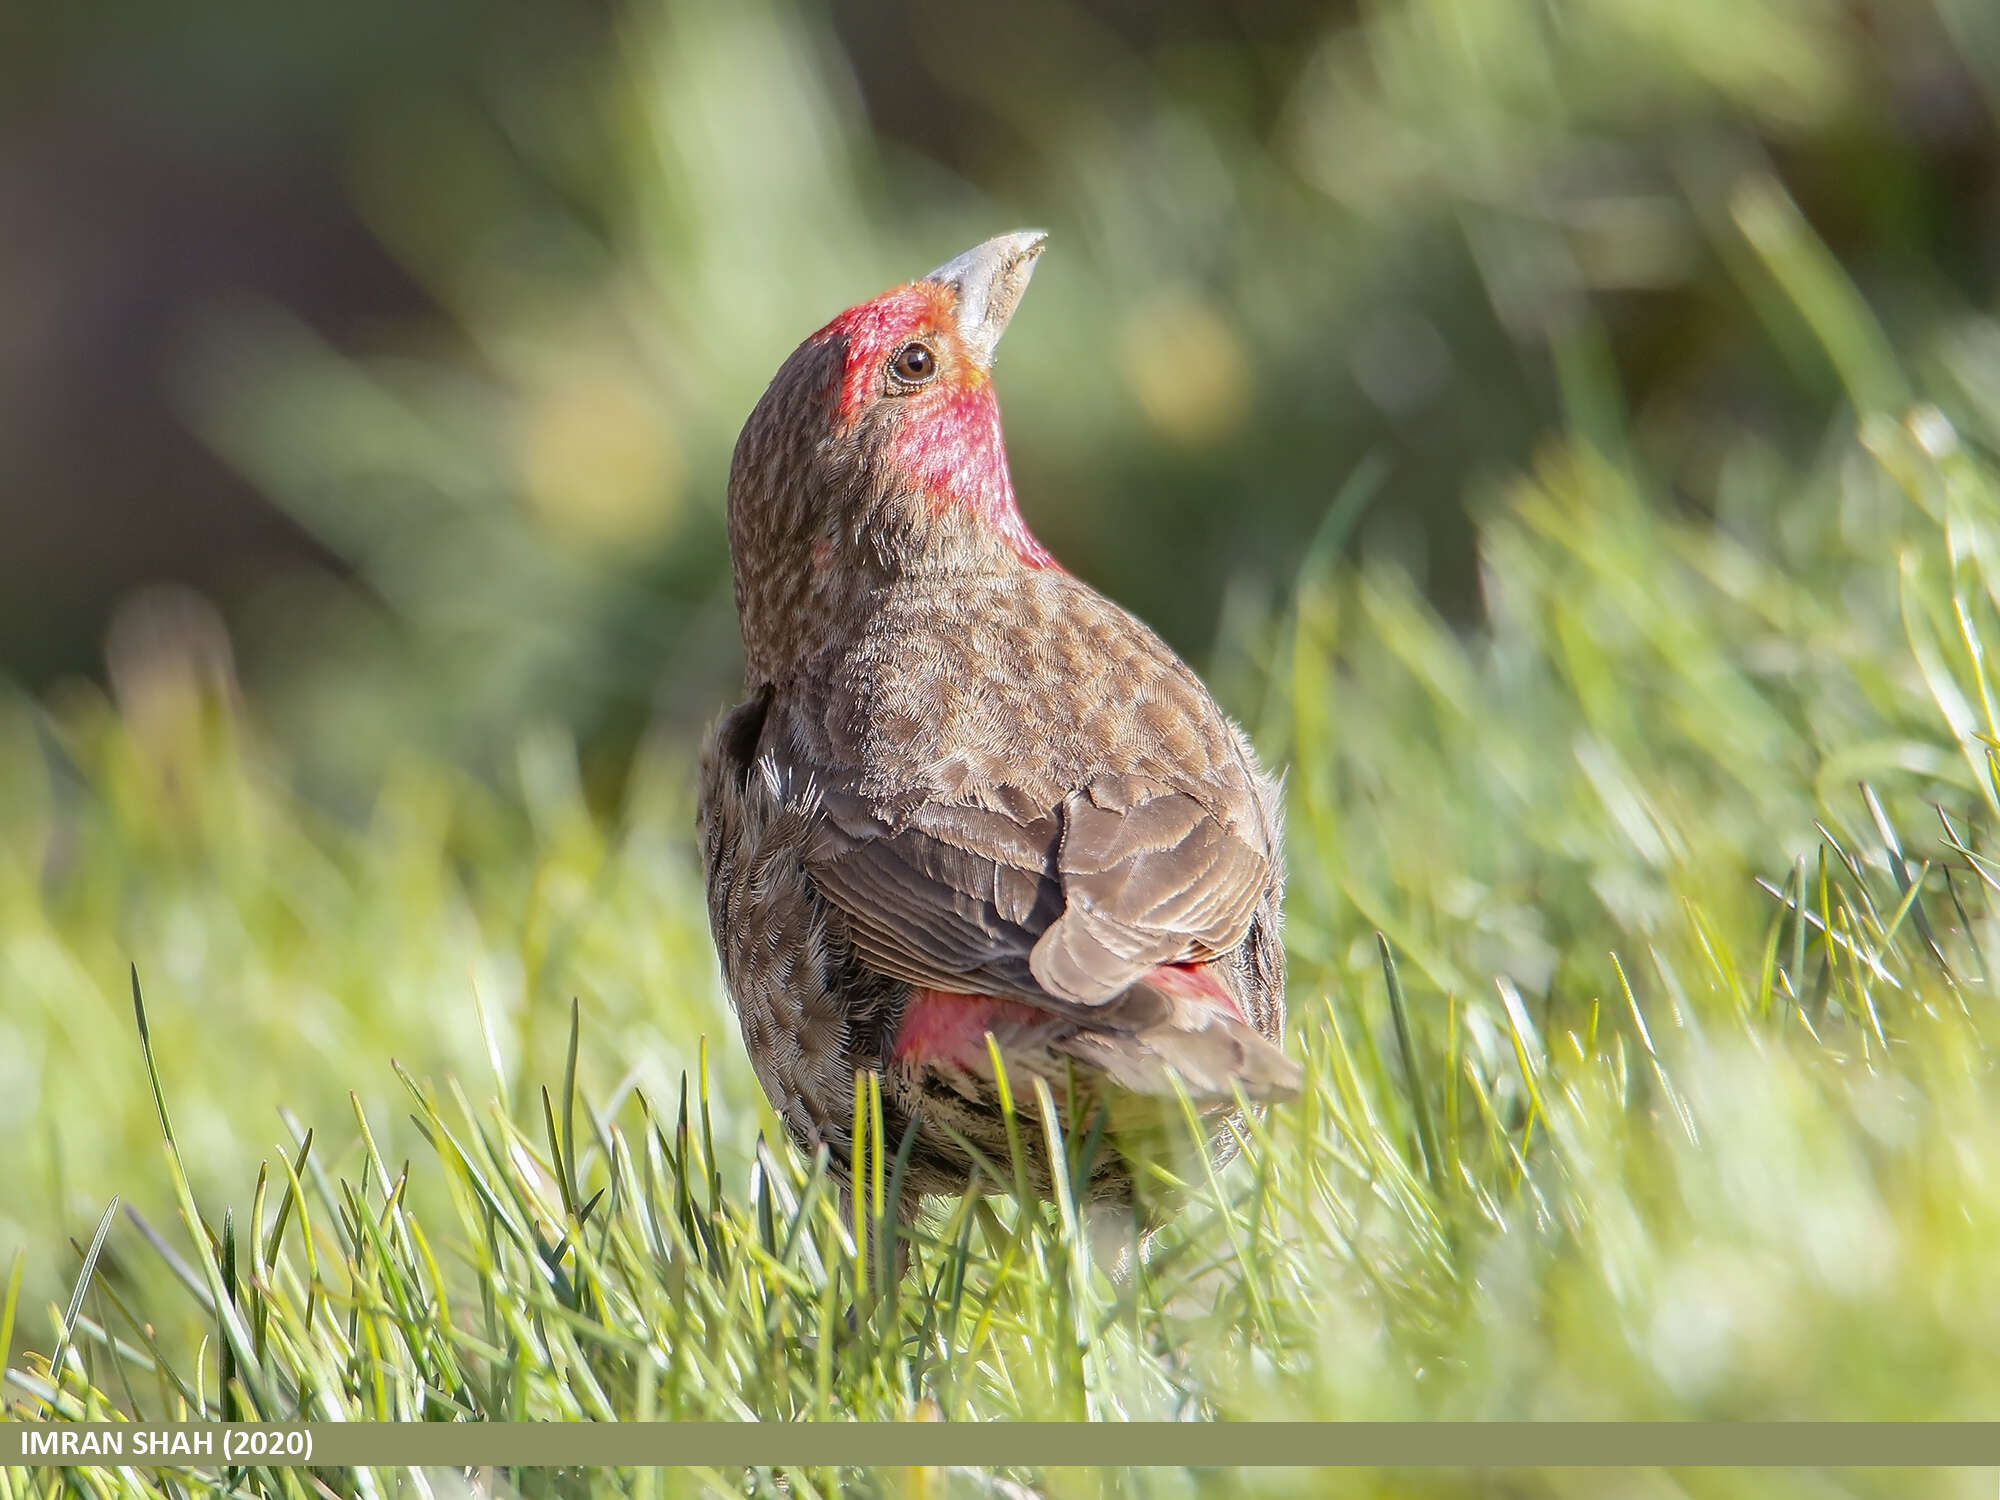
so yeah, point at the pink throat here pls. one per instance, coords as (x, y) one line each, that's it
(957, 457)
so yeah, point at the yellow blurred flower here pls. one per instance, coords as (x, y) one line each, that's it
(1186, 367)
(599, 462)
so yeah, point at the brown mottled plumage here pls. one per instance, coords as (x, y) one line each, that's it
(967, 794)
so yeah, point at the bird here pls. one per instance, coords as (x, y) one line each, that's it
(968, 805)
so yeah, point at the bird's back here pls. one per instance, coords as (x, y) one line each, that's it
(955, 688)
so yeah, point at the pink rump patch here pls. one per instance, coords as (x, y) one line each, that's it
(940, 1026)
(1194, 982)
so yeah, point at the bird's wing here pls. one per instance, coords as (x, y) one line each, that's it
(1071, 903)
(946, 897)
(1150, 875)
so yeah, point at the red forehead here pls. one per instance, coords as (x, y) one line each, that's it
(877, 329)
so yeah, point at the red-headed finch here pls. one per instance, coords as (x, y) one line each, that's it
(967, 795)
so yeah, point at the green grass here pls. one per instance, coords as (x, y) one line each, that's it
(1640, 953)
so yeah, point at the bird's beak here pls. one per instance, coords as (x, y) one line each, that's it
(989, 280)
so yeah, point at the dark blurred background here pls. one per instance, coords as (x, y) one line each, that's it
(414, 339)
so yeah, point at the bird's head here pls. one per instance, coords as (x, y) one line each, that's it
(876, 453)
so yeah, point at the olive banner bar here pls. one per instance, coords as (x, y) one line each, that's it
(210, 1446)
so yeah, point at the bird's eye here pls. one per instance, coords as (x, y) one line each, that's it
(914, 364)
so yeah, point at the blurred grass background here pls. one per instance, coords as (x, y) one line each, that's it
(1560, 430)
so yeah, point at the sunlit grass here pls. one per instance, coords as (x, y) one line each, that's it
(1728, 1160)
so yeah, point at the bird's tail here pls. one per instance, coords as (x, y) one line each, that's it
(1187, 1027)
